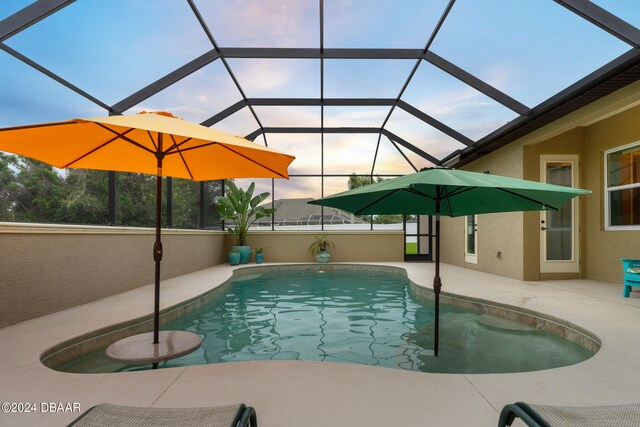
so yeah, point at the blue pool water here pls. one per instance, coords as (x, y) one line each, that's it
(352, 316)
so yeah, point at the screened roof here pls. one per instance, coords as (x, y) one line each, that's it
(377, 87)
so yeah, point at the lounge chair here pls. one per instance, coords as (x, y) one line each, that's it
(107, 415)
(571, 416)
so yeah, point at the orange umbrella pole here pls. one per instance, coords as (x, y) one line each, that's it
(157, 247)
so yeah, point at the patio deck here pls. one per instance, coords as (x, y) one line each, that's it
(288, 393)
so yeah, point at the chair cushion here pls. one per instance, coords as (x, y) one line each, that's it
(105, 414)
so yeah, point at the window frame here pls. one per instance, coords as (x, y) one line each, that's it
(607, 190)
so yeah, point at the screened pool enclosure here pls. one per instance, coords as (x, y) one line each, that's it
(355, 90)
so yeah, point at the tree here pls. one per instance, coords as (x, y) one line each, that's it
(212, 190)
(86, 197)
(186, 203)
(136, 200)
(8, 186)
(32, 191)
(356, 181)
(39, 191)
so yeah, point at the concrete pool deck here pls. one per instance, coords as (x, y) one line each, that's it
(288, 393)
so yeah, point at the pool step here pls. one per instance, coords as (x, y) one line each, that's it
(501, 324)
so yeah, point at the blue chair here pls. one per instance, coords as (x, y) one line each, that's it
(631, 276)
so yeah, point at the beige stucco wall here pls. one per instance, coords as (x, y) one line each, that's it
(604, 248)
(500, 232)
(350, 246)
(50, 268)
(605, 124)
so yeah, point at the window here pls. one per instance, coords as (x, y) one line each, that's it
(622, 188)
(471, 239)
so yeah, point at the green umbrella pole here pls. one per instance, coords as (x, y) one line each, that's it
(437, 284)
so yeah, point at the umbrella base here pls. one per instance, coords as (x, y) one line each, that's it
(140, 349)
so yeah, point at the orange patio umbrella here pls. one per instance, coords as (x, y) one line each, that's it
(155, 143)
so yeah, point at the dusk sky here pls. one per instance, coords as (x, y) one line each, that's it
(529, 49)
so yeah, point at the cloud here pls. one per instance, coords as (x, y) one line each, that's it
(278, 77)
(355, 116)
(422, 135)
(276, 116)
(258, 23)
(198, 96)
(305, 147)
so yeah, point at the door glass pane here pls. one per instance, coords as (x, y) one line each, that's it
(423, 237)
(471, 235)
(417, 238)
(560, 223)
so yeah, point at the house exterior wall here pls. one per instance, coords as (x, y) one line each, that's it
(606, 247)
(499, 232)
(603, 125)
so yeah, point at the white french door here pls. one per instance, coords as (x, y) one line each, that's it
(559, 237)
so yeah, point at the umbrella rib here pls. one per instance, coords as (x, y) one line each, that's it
(181, 156)
(41, 125)
(359, 211)
(190, 148)
(419, 193)
(233, 151)
(253, 161)
(458, 191)
(92, 151)
(152, 141)
(445, 197)
(129, 140)
(176, 146)
(527, 198)
(137, 144)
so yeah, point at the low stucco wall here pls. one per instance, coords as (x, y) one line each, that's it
(350, 246)
(48, 268)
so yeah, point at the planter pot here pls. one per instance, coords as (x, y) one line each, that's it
(234, 258)
(245, 251)
(259, 258)
(323, 256)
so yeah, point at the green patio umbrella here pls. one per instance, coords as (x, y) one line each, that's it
(450, 192)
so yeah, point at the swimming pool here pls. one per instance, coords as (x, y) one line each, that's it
(352, 315)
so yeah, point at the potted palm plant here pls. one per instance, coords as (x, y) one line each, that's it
(242, 207)
(319, 248)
